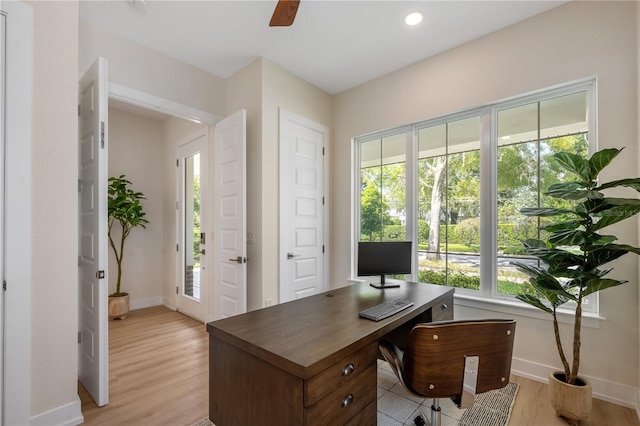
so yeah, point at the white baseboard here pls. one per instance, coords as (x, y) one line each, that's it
(169, 303)
(145, 302)
(66, 415)
(616, 393)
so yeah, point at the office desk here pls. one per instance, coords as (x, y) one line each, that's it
(313, 360)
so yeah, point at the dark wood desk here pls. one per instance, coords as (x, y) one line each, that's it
(313, 360)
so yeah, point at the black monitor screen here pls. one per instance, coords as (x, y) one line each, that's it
(384, 258)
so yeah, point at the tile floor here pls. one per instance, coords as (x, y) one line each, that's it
(397, 407)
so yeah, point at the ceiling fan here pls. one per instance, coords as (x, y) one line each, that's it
(285, 13)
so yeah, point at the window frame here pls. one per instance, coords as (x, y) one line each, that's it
(488, 114)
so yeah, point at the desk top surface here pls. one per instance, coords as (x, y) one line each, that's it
(306, 335)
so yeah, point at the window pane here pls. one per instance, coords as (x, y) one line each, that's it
(526, 168)
(383, 189)
(449, 203)
(518, 124)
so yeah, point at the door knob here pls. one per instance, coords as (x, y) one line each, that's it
(237, 259)
(291, 255)
(202, 251)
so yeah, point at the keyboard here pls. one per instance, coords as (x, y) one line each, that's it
(385, 310)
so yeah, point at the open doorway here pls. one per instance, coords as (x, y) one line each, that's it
(143, 146)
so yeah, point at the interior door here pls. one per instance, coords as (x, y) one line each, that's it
(93, 355)
(302, 207)
(229, 239)
(193, 196)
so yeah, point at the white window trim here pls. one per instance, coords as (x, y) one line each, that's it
(486, 297)
(515, 307)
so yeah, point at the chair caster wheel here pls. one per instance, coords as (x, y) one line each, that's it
(419, 421)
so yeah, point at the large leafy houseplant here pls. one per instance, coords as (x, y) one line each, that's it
(124, 208)
(575, 250)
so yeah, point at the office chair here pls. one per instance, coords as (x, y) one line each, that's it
(453, 359)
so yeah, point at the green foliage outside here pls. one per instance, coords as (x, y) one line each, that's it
(523, 168)
(196, 221)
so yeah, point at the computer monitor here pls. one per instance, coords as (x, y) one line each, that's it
(384, 258)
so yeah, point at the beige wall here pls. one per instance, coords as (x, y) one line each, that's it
(281, 89)
(262, 88)
(54, 219)
(146, 70)
(574, 41)
(136, 150)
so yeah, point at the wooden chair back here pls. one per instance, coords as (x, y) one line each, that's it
(433, 362)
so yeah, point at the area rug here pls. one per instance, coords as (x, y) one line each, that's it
(491, 408)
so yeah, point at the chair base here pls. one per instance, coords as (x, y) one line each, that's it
(435, 415)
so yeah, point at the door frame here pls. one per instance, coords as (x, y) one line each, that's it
(17, 320)
(285, 117)
(19, 399)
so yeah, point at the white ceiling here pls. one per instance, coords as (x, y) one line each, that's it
(334, 45)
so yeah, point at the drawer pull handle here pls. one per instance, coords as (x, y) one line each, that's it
(347, 401)
(348, 369)
(444, 307)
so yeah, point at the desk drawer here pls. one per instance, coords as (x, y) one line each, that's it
(443, 311)
(342, 404)
(339, 373)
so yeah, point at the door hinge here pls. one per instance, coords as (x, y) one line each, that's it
(100, 275)
(102, 134)
(79, 337)
(323, 248)
(4, 285)
(323, 201)
(177, 162)
(177, 206)
(176, 289)
(177, 247)
(79, 110)
(323, 150)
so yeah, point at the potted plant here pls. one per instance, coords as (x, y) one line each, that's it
(574, 254)
(124, 208)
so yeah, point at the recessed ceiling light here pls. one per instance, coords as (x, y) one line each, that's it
(414, 18)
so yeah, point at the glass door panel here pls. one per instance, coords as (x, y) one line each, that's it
(191, 222)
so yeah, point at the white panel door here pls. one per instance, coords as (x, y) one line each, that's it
(229, 167)
(302, 207)
(92, 185)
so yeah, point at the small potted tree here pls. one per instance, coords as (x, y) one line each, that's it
(574, 254)
(124, 208)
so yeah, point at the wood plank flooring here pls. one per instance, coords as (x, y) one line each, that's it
(158, 375)
(158, 371)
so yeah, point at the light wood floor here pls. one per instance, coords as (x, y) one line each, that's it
(158, 371)
(158, 375)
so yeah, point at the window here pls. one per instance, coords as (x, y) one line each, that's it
(455, 185)
(382, 189)
(382, 184)
(449, 203)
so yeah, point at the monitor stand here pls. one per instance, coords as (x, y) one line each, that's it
(382, 284)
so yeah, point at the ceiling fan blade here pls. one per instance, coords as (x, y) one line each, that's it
(285, 13)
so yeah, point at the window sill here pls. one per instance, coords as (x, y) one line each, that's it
(566, 316)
